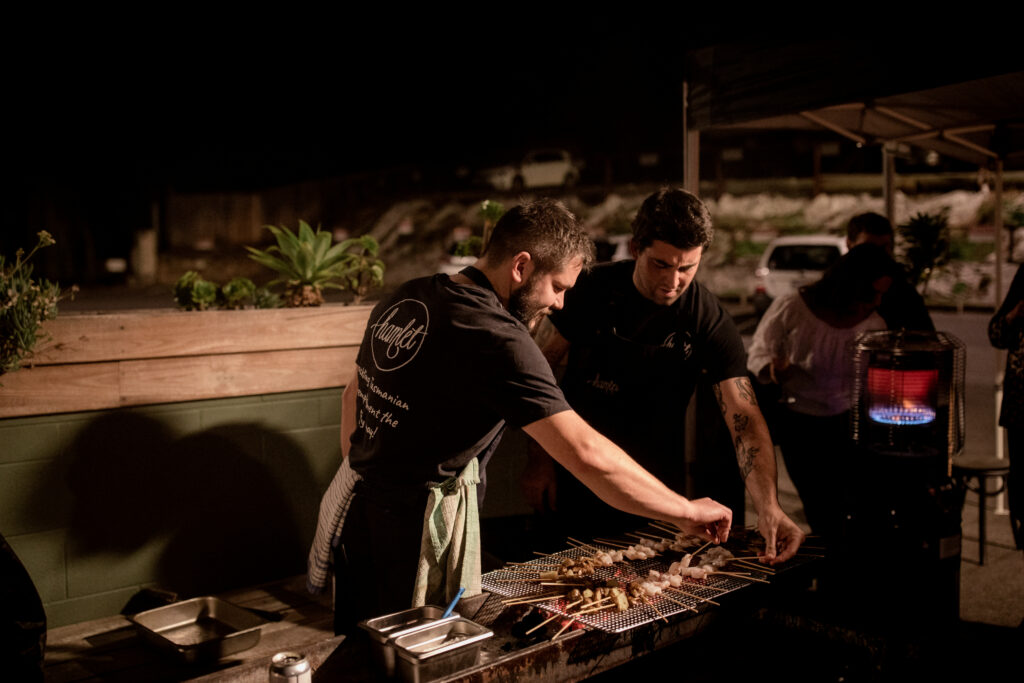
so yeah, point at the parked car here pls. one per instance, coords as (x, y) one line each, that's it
(789, 263)
(539, 168)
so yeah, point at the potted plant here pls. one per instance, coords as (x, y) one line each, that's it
(24, 304)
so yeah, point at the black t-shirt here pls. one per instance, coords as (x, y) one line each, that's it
(633, 364)
(441, 369)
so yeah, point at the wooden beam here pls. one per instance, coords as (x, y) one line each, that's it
(165, 334)
(116, 384)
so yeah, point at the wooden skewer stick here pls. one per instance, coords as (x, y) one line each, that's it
(653, 536)
(678, 602)
(585, 545)
(698, 550)
(740, 575)
(694, 596)
(750, 565)
(561, 630)
(656, 610)
(666, 527)
(614, 544)
(706, 585)
(552, 617)
(534, 598)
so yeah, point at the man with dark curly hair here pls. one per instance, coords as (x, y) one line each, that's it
(638, 336)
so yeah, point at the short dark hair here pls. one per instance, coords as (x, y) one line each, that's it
(870, 222)
(850, 280)
(546, 229)
(674, 216)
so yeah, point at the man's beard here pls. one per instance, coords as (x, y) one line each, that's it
(524, 307)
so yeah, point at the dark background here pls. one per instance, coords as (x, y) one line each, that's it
(106, 114)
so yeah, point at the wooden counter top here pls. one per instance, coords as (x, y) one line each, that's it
(109, 649)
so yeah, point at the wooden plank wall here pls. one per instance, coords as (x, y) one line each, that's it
(101, 361)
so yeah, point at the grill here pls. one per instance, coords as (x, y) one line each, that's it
(506, 583)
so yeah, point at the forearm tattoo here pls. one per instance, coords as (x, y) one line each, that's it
(746, 390)
(746, 455)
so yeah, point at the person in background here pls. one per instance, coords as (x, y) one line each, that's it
(1006, 331)
(902, 306)
(802, 345)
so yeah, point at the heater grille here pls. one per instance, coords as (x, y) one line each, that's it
(908, 393)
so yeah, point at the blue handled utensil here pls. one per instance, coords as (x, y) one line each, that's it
(453, 602)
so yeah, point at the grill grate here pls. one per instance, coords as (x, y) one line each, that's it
(505, 582)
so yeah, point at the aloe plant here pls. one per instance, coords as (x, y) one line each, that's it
(306, 263)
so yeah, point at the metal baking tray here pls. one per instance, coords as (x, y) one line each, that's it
(201, 629)
(383, 630)
(438, 650)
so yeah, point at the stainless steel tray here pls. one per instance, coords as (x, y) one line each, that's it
(384, 629)
(440, 649)
(200, 629)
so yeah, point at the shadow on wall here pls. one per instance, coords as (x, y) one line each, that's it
(224, 508)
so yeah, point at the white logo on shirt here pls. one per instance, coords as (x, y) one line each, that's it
(670, 343)
(398, 334)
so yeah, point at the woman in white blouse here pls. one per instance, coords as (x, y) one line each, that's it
(803, 344)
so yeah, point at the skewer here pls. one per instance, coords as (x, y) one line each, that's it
(552, 617)
(567, 625)
(705, 585)
(654, 537)
(698, 550)
(594, 608)
(614, 544)
(740, 575)
(750, 565)
(678, 602)
(585, 545)
(693, 595)
(665, 527)
(539, 598)
(656, 610)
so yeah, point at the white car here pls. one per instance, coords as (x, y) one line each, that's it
(539, 168)
(789, 263)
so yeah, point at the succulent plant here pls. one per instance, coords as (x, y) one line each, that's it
(307, 263)
(193, 293)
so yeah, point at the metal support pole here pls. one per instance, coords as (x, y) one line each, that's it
(889, 182)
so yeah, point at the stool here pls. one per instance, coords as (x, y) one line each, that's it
(981, 468)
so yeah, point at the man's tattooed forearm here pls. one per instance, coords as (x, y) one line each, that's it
(746, 390)
(745, 456)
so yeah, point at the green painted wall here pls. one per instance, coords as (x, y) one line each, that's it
(191, 497)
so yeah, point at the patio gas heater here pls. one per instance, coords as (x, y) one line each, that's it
(902, 507)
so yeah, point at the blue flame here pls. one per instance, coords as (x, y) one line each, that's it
(902, 416)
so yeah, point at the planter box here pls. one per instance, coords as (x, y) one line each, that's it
(112, 360)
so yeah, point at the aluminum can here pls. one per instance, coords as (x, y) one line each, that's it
(290, 667)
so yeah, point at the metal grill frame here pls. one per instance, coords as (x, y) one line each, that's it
(613, 621)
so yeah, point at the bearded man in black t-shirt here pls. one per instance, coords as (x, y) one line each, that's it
(638, 334)
(444, 364)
